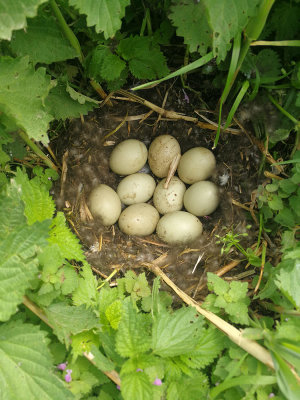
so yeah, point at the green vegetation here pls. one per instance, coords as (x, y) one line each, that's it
(64, 334)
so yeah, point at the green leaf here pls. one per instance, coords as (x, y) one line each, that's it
(61, 105)
(18, 255)
(288, 282)
(106, 15)
(69, 320)
(22, 92)
(13, 15)
(69, 279)
(86, 292)
(25, 364)
(295, 204)
(81, 98)
(285, 217)
(136, 386)
(286, 379)
(83, 342)
(144, 57)
(217, 284)
(38, 203)
(67, 242)
(275, 203)
(175, 334)
(268, 63)
(101, 362)
(209, 346)
(114, 313)
(133, 336)
(187, 388)
(43, 41)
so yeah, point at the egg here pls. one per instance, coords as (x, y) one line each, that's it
(139, 219)
(197, 164)
(128, 157)
(105, 203)
(170, 199)
(202, 198)
(162, 151)
(179, 227)
(136, 188)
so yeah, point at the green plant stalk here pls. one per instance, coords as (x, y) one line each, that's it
(286, 43)
(67, 30)
(283, 111)
(37, 150)
(252, 32)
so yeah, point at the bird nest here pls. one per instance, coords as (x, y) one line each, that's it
(84, 153)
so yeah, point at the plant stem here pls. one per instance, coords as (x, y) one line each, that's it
(67, 30)
(37, 150)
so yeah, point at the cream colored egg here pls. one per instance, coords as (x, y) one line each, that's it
(196, 164)
(179, 227)
(128, 157)
(170, 199)
(105, 203)
(162, 151)
(139, 219)
(202, 198)
(136, 188)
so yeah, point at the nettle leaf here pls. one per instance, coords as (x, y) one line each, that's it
(106, 15)
(43, 41)
(70, 320)
(86, 292)
(189, 388)
(103, 64)
(268, 63)
(211, 23)
(38, 203)
(285, 20)
(113, 313)
(287, 280)
(22, 92)
(26, 365)
(13, 15)
(18, 258)
(66, 240)
(61, 105)
(144, 57)
(175, 334)
(209, 346)
(136, 386)
(133, 336)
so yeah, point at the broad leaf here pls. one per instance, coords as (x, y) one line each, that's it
(61, 105)
(26, 371)
(86, 292)
(106, 15)
(13, 15)
(69, 320)
(175, 334)
(136, 386)
(133, 336)
(43, 41)
(288, 282)
(22, 92)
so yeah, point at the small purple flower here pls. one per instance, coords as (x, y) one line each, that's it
(271, 395)
(118, 387)
(186, 97)
(139, 370)
(62, 366)
(68, 377)
(157, 382)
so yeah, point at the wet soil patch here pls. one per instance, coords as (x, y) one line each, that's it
(84, 154)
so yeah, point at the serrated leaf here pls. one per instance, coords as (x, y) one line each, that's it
(144, 57)
(238, 312)
(106, 15)
(136, 386)
(114, 313)
(209, 346)
(112, 67)
(69, 279)
(285, 20)
(18, 257)
(38, 203)
(61, 105)
(175, 334)
(67, 242)
(268, 63)
(50, 260)
(238, 290)
(13, 15)
(25, 357)
(133, 336)
(189, 388)
(217, 284)
(287, 280)
(83, 342)
(86, 292)
(11, 211)
(22, 93)
(43, 41)
(285, 217)
(69, 320)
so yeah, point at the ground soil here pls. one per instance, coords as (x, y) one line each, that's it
(84, 153)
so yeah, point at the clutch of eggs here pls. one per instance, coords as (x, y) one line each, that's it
(136, 188)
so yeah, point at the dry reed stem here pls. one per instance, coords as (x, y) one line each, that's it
(172, 170)
(236, 336)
